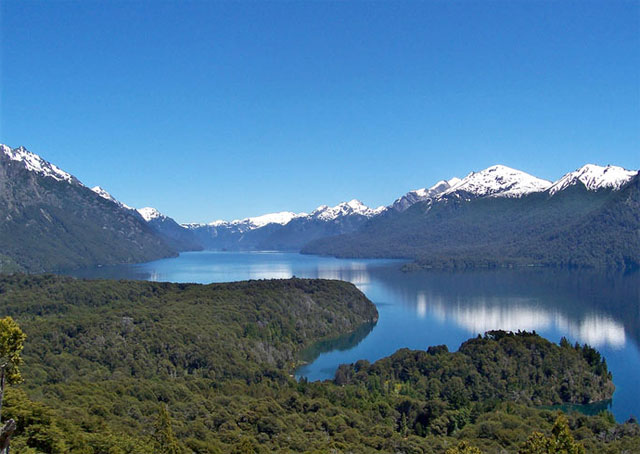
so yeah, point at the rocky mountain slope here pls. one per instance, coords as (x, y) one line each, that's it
(50, 221)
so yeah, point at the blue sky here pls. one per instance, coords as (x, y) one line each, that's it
(209, 110)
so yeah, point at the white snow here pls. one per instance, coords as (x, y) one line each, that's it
(453, 181)
(105, 195)
(282, 218)
(35, 163)
(420, 195)
(595, 177)
(352, 207)
(323, 213)
(193, 225)
(150, 213)
(497, 181)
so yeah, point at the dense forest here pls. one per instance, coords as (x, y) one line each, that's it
(574, 228)
(141, 367)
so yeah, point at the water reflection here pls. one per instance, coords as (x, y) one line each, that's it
(484, 314)
(601, 310)
(419, 309)
(340, 343)
(598, 330)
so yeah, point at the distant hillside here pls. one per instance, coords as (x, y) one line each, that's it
(175, 235)
(573, 226)
(285, 231)
(50, 221)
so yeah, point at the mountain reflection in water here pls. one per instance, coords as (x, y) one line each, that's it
(423, 308)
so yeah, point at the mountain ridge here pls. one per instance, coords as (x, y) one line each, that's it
(49, 220)
(290, 231)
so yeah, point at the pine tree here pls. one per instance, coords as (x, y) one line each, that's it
(166, 441)
(11, 345)
(559, 442)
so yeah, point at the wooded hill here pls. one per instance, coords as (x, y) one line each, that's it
(102, 356)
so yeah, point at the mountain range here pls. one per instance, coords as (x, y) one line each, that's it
(50, 221)
(495, 217)
(504, 217)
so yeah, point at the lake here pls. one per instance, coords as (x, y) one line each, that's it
(423, 308)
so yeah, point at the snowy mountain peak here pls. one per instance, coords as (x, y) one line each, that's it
(282, 218)
(420, 195)
(150, 213)
(352, 207)
(453, 181)
(595, 177)
(497, 181)
(35, 163)
(105, 195)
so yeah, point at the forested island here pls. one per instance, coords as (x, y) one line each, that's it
(141, 367)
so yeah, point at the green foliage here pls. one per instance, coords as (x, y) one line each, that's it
(11, 345)
(520, 367)
(559, 442)
(99, 330)
(463, 448)
(103, 355)
(166, 441)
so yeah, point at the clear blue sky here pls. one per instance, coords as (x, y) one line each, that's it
(210, 110)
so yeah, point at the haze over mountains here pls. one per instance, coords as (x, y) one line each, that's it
(494, 217)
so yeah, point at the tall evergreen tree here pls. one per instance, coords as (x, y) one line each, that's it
(166, 441)
(559, 442)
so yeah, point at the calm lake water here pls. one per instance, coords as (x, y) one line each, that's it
(419, 309)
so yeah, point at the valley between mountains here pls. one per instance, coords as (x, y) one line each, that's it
(495, 217)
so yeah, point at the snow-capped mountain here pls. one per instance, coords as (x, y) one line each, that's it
(177, 236)
(420, 195)
(252, 223)
(35, 163)
(594, 178)
(150, 213)
(322, 213)
(283, 230)
(41, 204)
(501, 217)
(105, 195)
(497, 181)
(352, 207)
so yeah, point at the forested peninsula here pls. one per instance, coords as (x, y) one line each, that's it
(144, 367)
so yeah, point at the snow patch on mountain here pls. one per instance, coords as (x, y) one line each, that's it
(497, 181)
(150, 213)
(323, 213)
(594, 178)
(281, 218)
(35, 163)
(105, 195)
(420, 195)
(353, 207)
